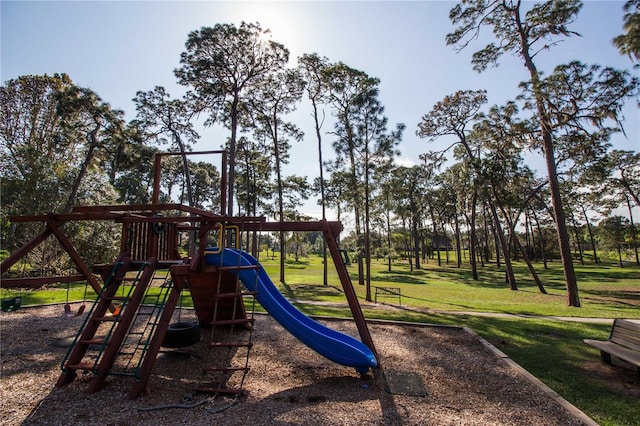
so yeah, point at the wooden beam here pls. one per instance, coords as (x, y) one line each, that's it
(22, 251)
(75, 257)
(37, 282)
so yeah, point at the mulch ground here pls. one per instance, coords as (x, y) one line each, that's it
(429, 376)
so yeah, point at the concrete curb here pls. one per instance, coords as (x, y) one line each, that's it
(577, 413)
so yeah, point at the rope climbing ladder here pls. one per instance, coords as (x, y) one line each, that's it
(231, 334)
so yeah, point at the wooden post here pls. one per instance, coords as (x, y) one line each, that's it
(347, 286)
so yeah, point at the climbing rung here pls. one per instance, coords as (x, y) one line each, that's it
(232, 345)
(234, 295)
(237, 268)
(215, 369)
(87, 366)
(114, 297)
(106, 319)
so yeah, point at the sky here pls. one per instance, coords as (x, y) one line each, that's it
(117, 48)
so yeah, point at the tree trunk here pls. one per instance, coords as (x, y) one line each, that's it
(591, 239)
(554, 186)
(435, 242)
(325, 271)
(232, 154)
(633, 231)
(620, 255)
(367, 231)
(534, 274)
(541, 238)
(416, 241)
(519, 246)
(283, 245)
(496, 239)
(185, 166)
(472, 225)
(531, 241)
(626, 184)
(577, 237)
(93, 143)
(446, 243)
(571, 282)
(458, 248)
(510, 277)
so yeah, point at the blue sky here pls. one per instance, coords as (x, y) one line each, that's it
(117, 48)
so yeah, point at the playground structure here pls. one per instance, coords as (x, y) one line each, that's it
(219, 275)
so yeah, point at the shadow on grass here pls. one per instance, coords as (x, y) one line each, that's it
(607, 274)
(618, 296)
(296, 263)
(288, 291)
(394, 278)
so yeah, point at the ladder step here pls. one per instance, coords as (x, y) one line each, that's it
(215, 369)
(243, 321)
(106, 319)
(231, 345)
(237, 268)
(114, 297)
(235, 295)
(87, 366)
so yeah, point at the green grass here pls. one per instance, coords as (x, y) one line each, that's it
(551, 350)
(605, 291)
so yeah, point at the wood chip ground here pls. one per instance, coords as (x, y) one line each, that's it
(288, 384)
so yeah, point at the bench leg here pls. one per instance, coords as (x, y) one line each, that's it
(605, 357)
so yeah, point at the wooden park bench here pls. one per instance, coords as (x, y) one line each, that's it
(389, 291)
(624, 343)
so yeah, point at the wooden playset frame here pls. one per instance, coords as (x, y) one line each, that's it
(149, 241)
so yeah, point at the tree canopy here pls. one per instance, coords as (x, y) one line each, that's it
(471, 195)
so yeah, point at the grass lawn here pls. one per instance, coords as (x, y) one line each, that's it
(552, 350)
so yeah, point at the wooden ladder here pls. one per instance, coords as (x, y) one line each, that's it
(80, 357)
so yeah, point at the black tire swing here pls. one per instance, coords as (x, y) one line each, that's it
(181, 334)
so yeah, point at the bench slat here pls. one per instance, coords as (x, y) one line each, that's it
(626, 333)
(633, 326)
(630, 342)
(613, 349)
(624, 342)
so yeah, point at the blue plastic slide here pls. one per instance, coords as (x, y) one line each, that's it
(336, 346)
